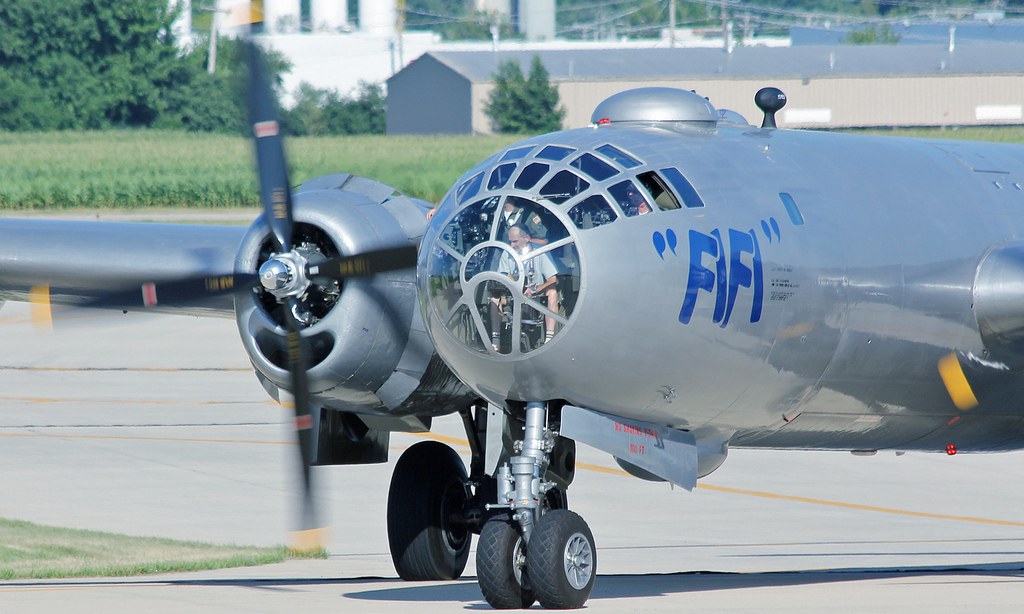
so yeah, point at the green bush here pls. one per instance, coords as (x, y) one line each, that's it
(325, 112)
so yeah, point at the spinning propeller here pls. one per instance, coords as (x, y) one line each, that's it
(286, 275)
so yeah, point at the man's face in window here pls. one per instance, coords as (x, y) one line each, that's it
(518, 239)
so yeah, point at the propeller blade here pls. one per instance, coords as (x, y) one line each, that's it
(40, 308)
(277, 206)
(270, 162)
(367, 263)
(311, 534)
(174, 293)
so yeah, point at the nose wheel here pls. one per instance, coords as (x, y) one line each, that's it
(532, 551)
(501, 565)
(561, 560)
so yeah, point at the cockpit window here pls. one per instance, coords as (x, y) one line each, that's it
(794, 212)
(544, 227)
(593, 166)
(471, 226)
(690, 197)
(663, 197)
(516, 154)
(531, 175)
(500, 176)
(622, 158)
(505, 275)
(563, 186)
(483, 260)
(470, 188)
(630, 199)
(555, 152)
(592, 212)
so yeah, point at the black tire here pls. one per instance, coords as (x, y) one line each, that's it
(501, 564)
(561, 560)
(428, 490)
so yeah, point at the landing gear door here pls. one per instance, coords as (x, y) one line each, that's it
(667, 453)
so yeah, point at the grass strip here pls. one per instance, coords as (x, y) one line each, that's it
(29, 550)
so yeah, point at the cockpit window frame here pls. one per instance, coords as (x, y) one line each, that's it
(468, 277)
(469, 188)
(594, 167)
(517, 153)
(533, 180)
(498, 179)
(661, 194)
(555, 153)
(620, 200)
(620, 157)
(683, 188)
(562, 176)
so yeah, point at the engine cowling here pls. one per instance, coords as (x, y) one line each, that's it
(371, 355)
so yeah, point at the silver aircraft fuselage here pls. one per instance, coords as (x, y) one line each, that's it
(801, 296)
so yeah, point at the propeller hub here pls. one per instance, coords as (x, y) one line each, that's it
(274, 275)
(284, 275)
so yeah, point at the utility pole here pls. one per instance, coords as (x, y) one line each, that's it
(671, 23)
(725, 30)
(400, 30)
(211, 63)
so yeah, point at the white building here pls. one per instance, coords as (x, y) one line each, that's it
(335, 56)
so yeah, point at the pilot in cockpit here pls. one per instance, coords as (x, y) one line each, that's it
(635, 203)
(514, 213)
(539, 279)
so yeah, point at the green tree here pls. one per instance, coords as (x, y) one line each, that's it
(322, 112)
(871, 35)
(199, 101)
(24, 105)
(96, 62)
(518, 104)
(89, 64)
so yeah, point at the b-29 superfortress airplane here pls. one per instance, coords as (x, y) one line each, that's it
(664, 285)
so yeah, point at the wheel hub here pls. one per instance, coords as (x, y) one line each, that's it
(579, 561)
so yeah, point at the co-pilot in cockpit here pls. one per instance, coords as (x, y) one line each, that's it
(629, 198)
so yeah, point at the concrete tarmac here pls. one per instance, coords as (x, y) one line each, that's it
(155, 425)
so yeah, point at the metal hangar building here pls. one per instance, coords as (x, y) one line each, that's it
(827, 86)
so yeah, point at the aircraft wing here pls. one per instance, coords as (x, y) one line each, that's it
(80, 260)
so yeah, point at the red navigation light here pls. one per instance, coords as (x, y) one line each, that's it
(604, 121)
(951, 449)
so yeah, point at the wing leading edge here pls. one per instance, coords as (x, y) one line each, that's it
(80, 260)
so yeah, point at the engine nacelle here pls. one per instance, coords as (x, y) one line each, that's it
(371, 356)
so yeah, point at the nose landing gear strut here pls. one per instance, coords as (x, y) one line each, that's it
(531, 551)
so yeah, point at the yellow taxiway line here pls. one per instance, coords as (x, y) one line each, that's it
(456, 441)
